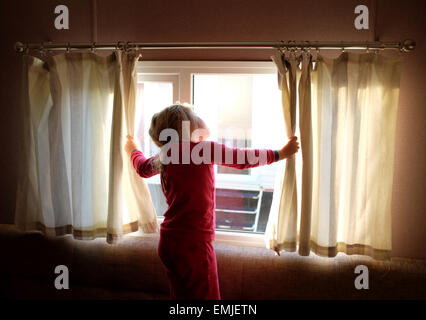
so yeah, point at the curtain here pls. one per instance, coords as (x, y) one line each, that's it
(347, 119)
(281, 229)
(74, 176)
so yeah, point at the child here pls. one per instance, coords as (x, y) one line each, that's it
(188, 229)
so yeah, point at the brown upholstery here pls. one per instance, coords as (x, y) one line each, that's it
(132, 269)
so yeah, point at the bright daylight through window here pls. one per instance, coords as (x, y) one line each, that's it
(242, 108)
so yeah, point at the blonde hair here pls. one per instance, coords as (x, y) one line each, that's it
(172, 118)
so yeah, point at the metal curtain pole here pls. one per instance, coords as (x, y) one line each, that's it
(404, 46)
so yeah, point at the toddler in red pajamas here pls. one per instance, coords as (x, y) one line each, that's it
(188, 183)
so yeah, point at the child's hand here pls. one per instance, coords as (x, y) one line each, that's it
(130, 145)
(289, 149)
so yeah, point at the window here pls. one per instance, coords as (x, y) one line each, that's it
(241, 104)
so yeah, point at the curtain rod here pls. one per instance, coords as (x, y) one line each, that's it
(404, 46)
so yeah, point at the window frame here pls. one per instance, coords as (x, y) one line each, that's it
(184, 71)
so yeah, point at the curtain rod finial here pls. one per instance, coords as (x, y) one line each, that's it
(19, 46)
(408, 45)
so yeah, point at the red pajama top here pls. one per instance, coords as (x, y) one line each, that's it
(189, 188)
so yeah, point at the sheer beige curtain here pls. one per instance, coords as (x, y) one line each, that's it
(281, 229)
(74, 176)
(347, 118)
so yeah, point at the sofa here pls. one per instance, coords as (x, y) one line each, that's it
(131, 269)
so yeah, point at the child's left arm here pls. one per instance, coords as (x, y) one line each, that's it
(239, 158)
(250, 158)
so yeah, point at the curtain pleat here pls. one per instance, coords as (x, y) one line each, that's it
(281, 229)
(138, 199)
(123, 178)
(305, 125)
(77, 110)
(35, 89)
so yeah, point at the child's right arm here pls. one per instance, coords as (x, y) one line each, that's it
(144, 167)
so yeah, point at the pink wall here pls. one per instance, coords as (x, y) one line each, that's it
(233, 20)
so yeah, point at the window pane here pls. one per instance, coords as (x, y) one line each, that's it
(152, 97)
(242, 110)
(229, 96)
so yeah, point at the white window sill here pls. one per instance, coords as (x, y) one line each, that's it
(222, 237)
(240, 239)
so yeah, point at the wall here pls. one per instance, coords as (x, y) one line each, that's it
(233, 20)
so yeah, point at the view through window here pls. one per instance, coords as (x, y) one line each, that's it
(241, 110)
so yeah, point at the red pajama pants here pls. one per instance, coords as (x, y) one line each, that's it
(191, 268)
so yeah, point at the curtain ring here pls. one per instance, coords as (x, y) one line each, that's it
(47, 50)
(302, 47)
(68, 47)
(93, 48)
(286, 48)
(138, 51)
(283, 48)
(305, 46)
(308, 48)
(290, 48)
(120, 45)
(127, 47)
(280, 47)
(42, 51)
